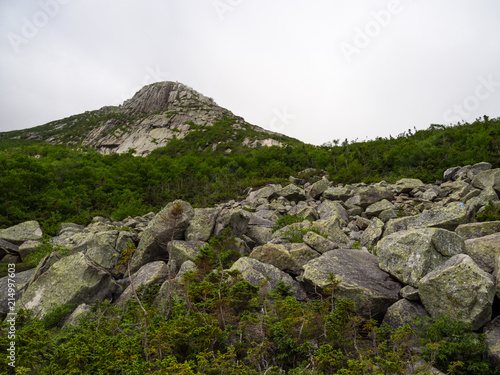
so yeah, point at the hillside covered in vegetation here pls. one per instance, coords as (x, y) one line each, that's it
(58, 183)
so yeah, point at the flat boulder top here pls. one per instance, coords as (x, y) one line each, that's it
(20, 233)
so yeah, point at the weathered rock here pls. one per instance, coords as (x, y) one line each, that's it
(43, 266)
(187, 266)
(259, 220)
(289, 258)
(74, 319)
(361, 280)
(258, 273)
(149, 274)
(162, 229)
(387, 215)
(492, 331)
(430, 194)
(318, 188)
(450, 173)
(338, 193)
(20, 280)
(460, 290)
(405, 185)
(28, 248)
(263, 193)
(404, 312)
(377, 208)
(372, 234)
(71, 280)
(410, 255)
(475, 230)
(371, 194)
(448, 217)
(410, 293)
(29, 230)
(319, 243)
(478, 168)
(331, 230)
(235, 219)
(333, 209)
(291, 232)
(306, 212)
(259, 234)
(11, 249)
(291, 193)
(484, 250)
(489, 178)
(202, 224)
(182, 251)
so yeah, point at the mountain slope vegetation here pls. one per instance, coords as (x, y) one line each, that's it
(56, 183)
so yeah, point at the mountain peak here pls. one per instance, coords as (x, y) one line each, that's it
(161, 96)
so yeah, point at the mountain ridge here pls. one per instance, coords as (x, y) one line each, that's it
(155, 115)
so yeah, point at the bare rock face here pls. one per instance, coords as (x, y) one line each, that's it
(460, 290)
(361, 280)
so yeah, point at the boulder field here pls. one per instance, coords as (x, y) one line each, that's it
(396, 250)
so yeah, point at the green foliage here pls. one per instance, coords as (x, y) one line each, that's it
(52, 183)
(55, 317)
(491, 212)
(454, 347)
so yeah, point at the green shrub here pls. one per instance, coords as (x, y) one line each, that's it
(491, 212)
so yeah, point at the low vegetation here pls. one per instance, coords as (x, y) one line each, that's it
(53, 184)
(221, 324)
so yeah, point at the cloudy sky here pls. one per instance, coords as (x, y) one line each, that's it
(315, 70)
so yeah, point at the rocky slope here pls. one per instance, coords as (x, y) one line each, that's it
(155, 115)
(397, 250)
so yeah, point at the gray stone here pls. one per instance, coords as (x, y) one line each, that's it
(266, 276)
(306, 212)
(71, 280)
(405, 185)
(460, 290)
(475, 230)
(162, 229)
(291, 193)
(477, 168)
(318, 188)
(372, 234)
(74, 319)
(328, 209)
(202, 224)
(289, 258)
(410, 255)
(377, 208)
(149, 274)
(11, 249)
(371, 194)
(492, 331)
(404, 312)
(410, 293)
(260, 235)
(450, 173)
(489, 178)
(448, 217)
(331, 230)
(319, 243)
(28, 248)
(360, 280)
(182, 251)
(235, 219)
(20, 280)
(484, 250)
(338, 193)
(263, 193)
(29, 230)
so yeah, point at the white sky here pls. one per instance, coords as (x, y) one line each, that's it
(315, 70)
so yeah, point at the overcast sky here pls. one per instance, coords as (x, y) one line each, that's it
(315, 70)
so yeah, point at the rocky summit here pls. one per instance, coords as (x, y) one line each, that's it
(155, 115)
(395, 250)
